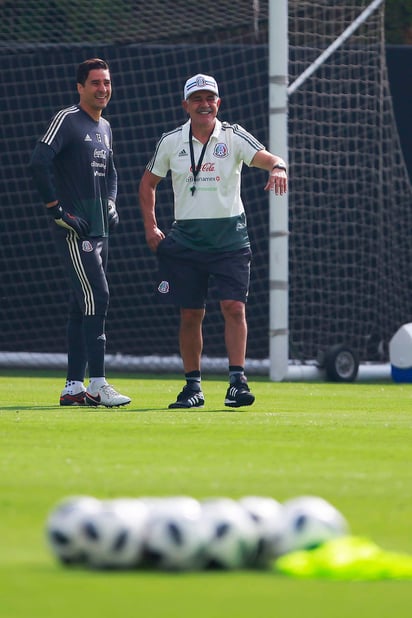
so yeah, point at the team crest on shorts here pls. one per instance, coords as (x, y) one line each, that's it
(87, 246)
(163, 287)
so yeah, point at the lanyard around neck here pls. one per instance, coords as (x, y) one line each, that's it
(196, 166)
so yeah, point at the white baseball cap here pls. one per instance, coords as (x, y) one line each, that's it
(200, 82)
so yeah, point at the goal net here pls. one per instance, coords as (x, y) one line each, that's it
(349, 198)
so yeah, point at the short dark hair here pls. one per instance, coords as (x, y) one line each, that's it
(85, 67)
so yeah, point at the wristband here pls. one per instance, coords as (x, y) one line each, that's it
(279, 166)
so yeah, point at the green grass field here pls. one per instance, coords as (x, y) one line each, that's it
(349, 443)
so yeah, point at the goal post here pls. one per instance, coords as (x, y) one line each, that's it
(278, 205)
(334, 124)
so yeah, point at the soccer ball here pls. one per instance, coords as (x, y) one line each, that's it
(176, 535)
(267, 515)
(64, 526)
(234, 541)
(114, 536)
(309, 521)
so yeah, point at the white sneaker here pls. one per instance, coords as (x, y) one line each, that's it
(107, 396)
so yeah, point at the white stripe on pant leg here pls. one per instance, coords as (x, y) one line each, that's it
(89, 303)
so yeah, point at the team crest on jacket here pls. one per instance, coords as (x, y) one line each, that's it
(87, 246)
(221, 150)
(163, 287)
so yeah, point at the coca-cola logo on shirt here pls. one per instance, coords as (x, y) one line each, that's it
(205, 167)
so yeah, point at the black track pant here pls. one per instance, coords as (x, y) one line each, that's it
(85, 261)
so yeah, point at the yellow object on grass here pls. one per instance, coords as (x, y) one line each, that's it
(347, 558)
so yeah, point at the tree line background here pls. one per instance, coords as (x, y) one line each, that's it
(398, 22)
(130, 21)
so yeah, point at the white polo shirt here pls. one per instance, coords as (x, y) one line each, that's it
(214, 217)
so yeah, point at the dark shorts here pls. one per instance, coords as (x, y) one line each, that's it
(185, 275)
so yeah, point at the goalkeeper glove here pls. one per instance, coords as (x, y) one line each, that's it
(71, 222)
(112, 215)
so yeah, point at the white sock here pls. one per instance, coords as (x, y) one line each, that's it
(96, 383)
(73, 387)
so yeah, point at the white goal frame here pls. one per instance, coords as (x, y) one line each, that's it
(279, 92)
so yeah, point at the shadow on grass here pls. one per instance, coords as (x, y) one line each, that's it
(24, 408)
(88, 409)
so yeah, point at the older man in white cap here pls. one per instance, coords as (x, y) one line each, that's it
(209, 235)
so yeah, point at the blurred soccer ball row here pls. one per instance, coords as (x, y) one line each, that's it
(180, 533)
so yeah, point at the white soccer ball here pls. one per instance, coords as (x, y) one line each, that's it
(309, 521)
(64, 527)
(235, 539)
(114, 536)
(177, 535)
(267, 515)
